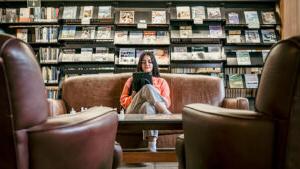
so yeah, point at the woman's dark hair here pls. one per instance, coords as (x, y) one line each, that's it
(155, 70)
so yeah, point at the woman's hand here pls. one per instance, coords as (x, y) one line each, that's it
(133, 94)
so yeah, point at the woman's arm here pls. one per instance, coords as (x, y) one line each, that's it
(125, 99)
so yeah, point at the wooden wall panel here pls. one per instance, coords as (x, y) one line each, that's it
(290, 17)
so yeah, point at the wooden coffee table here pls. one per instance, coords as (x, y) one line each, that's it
(139, 122)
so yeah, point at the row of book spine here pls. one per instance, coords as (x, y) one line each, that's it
(246, 93)
(39, 34)
(50, 74)
(37, 14)
(193, 70)
(253, 18)
(52, 92)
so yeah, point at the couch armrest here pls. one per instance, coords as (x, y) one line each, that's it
(236, 103)
(117, 156)
(216, 137)
(56, 107)
(82, 140)
(180, 152)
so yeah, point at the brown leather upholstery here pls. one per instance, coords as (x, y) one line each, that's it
(29, 139)
(267, 138)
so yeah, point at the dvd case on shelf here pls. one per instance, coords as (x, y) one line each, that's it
(213, 13)
(104, 12)
(183, 12)
(159, 17)
(268, 17)
(198, 14)
(126, 17)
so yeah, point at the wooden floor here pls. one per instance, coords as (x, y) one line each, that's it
(156, 165)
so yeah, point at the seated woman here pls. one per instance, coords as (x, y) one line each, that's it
(150, 99)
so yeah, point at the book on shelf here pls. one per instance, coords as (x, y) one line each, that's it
(236, 81)
(201, 33)
(231, 60)
(11, 14)
(243, 57)
(85, 55)
(24, 15)
(86, 12)
(180, 49)
(104, 12)
(1, 16)
(251, 18)
(234, 36)
(213, 13)
(268, 36)
(102, 55)
(37, 14)
(198, 14)
(121, 37)
(127, 56)
(233, 18)
(52, 14)
(104, 32)
(185, 31)
(69, 12)
(183, 12)
(214, 52)
(162, 56)
(198, 52)
(22, 34)
(67, 55)
(265, 54)
(135, 37)
(252, 36)
(251, 80)
(126, 17)
(159, 17)
(68, 32)
(180, 53)
(149, 37)
(268, 17)
(87, 33)
(162, 37)
(215, 31)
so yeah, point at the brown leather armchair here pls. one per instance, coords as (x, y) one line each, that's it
(29, 139)
(267, 138)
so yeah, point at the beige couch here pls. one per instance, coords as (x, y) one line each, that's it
(105, 90)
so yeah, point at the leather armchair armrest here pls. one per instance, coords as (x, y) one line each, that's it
(180, 152)
(236, 103)
(216, 137)
(82, 140)
(56, 107)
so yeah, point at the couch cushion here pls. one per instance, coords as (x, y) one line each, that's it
(93, 90)
(187, 89)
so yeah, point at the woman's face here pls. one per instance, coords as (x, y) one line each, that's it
(147, 65)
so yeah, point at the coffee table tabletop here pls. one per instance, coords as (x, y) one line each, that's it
(144, 121)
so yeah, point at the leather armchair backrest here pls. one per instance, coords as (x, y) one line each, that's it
(279, 79)
(278, 96)
(24, 93)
